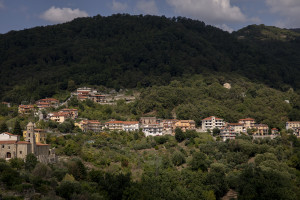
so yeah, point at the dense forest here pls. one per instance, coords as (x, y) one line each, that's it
(123, 51)
(120, 165)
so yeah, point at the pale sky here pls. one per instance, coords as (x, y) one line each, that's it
(227, 14)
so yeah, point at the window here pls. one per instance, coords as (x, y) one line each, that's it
(20, 152)
(8, 147)
(2, 146)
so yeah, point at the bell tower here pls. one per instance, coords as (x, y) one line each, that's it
(31, 136)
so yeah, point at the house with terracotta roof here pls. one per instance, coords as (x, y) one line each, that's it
(292, 125)
(59, 117)
(130, 126)
(274, 131)
(227, 133)
(12, 147)
(212, 122)
(25, 109)
(6, 103)
(72, 112)
(185, 125)
(238, 128)
(90, 125)
(261, 129)
(46, 103)
(248, 123)
(114, 125)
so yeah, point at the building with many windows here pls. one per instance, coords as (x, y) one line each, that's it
(212, 122)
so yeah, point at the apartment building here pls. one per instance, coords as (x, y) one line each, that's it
(25, 109)
(248, 123)
(212, 122)
(152, 130)
(292, 125)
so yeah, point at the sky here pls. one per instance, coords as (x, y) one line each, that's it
(229, 15)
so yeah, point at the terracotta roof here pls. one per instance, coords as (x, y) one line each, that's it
(130, 122)
(23, 142)
(210, 118)
(274, 129)
(9, 133)
(235, 124)
(8, 142)
(48, 99)
(247, 119)
(296, 122)
(26, 106)
(115, 122)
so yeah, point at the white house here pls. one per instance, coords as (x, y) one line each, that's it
(131, 126)
(153, 130)
(212, 122)
(8, 137)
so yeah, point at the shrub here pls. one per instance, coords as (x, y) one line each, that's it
(178, 158)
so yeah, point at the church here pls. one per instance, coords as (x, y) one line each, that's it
(12, 147)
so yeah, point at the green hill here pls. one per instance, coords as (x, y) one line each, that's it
(129, 51)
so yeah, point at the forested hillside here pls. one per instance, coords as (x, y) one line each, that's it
(137, 51)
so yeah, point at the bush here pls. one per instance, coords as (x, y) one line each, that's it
(178, 158)
(179, 135)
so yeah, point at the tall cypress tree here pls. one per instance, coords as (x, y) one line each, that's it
(17, 128)
(3, 127)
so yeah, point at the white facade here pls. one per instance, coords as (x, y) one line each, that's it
(8, 137)
(212, 122)
(153, 130)
(292, 125)
(131, 126)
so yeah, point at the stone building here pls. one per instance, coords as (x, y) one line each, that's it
(12, 147)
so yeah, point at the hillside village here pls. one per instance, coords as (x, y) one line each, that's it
(150, 126)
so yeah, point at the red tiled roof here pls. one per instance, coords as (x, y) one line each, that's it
(9, 133)
(26, 106)
(130, 122)
(235, 124)
(115, 122)
(274, 129)
(23, 142)
(210, 118)
(8, 142)
(296, 122)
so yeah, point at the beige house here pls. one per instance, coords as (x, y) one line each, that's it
(114, 125)
(185, 125)
(59, 117)
(237, 127)
(46, 103)
(261, 129)
(72, 112)
(248, 123)
(90, 125)
(20, 149)
(25, 109)
(148, 120)
(292, 125)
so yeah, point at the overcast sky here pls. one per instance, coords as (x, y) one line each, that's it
(227, 14)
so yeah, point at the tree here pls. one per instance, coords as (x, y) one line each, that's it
(17, 163)
(17, 128)
(179, 135)
(216, 131)
(199, 161)
(30, 162)
(3, 127)
(178, 158)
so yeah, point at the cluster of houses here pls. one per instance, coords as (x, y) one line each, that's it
(34, 142)
(151, 126)
(39, 105)
(85, 93)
